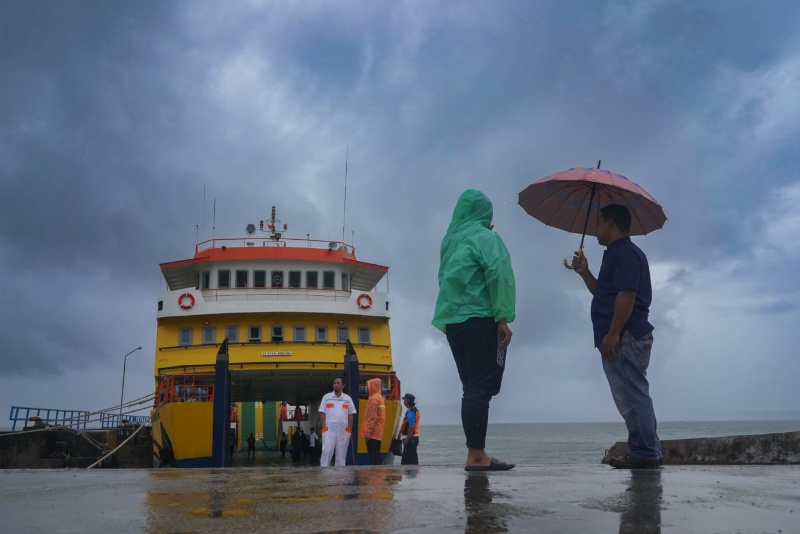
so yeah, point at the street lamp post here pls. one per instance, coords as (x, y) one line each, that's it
(122, 393)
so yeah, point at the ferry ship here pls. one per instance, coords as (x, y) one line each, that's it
(285, 311)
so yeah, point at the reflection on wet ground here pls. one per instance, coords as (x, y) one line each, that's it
(641, 513)
(403, 498)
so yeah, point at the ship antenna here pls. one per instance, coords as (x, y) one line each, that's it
(344, 215)
(214, 225)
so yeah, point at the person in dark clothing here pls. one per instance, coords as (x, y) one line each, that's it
(251, 446)
(297, 446)
(409, 431)
(282, 445)
(621, 296)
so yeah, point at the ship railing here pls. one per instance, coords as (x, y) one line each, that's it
(268, 242)
(240, 294)
(278, 344)
(43, 417)
(185, 388)
(390, 385)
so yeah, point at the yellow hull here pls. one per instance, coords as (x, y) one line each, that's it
(182, 433)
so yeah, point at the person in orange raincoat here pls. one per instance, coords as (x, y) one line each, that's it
(374, 420)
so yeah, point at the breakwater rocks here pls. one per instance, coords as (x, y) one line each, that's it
(780, 448)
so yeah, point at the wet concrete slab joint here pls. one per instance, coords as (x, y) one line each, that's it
(549, 498)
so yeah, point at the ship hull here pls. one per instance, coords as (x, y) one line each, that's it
(182, 434)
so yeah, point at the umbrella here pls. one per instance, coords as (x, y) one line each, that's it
(571, 199)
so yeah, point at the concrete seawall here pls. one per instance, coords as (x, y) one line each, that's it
(53, 447)
(781, 448)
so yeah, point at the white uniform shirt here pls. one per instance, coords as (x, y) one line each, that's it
(336, 410)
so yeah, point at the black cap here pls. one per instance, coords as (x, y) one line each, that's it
(409, 397)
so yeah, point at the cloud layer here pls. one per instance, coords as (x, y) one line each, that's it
(129, 131)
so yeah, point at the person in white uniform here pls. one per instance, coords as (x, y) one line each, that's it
(336, 416)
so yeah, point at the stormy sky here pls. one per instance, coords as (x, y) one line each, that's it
(130, 129)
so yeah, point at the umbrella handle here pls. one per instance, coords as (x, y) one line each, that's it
(567, 264)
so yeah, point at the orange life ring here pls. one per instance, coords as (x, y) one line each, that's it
(364, 301)
(186, 305)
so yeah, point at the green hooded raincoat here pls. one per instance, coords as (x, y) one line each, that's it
(475, 275)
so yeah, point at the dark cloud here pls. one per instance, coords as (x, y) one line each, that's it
(128, 130)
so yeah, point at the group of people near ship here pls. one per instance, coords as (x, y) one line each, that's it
(336, 413)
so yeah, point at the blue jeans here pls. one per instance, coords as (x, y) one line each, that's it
(627, 377)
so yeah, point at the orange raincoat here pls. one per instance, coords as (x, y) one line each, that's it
(375, 414)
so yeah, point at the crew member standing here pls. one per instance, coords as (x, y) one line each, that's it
(374, 421)
(409, 431)
(336, 417)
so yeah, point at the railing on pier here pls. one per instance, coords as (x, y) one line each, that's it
(75, 419)
(113, 420)
(48, 416)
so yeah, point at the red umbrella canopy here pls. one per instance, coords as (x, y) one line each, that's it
(564, 199)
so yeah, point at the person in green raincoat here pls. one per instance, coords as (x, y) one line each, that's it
(475, 304)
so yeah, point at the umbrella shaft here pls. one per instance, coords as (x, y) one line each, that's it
(588, 211)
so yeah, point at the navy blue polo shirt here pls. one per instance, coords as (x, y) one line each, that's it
(624, 267)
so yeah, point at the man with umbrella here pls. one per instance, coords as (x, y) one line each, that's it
(620, 307)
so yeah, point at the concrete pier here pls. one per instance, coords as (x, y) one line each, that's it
(51, 447)
(530, 498)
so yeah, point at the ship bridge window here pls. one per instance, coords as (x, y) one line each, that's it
(254, 334)
(209, 334)
(277, 278)
(328, 280)
(232, 333)
(259, 278)
(294, 278)
(277, 333)
(345, 282)
(322, 334)
(342, 334)
(205, 280)
(363, 335)
(224, 278)
(299, 334)
(312, 279)
(185, 337)
(241, 278)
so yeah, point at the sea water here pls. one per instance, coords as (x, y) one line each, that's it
(569, 443)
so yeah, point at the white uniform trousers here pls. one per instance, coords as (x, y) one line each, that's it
(337, 440)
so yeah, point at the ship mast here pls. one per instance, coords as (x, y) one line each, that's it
(273, 226)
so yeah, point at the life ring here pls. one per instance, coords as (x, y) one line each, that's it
(186, 305)
(364, 301)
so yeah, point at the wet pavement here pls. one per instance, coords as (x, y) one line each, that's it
(550, 498)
